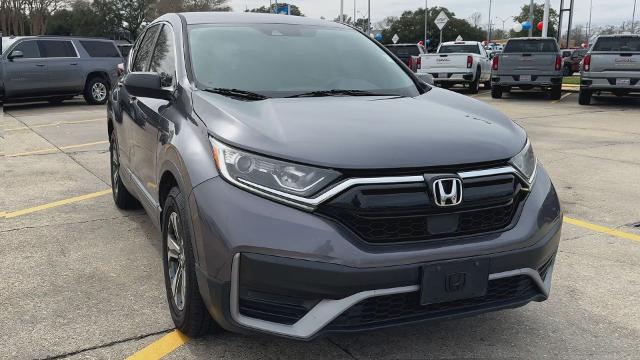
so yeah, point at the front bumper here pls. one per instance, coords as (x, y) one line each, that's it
(316, 278)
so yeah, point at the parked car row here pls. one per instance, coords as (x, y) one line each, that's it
(57, 68)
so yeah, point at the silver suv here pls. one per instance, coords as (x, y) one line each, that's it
(57, 68)
(612, 65)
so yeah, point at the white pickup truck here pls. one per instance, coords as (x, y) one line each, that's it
(458, 62)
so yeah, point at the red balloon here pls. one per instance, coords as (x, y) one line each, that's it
(540, 25)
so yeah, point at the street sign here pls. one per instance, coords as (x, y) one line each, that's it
(282, 9)
(442, 20)
(395, 38)
(459, 38)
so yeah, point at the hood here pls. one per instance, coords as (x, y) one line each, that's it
(438, 128)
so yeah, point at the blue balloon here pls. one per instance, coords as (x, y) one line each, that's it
(379, 37)
(526, 25)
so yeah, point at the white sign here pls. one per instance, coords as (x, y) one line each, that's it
(395, 38)
(442, 20)
(459, 38)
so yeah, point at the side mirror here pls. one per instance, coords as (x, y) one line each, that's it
(426, 78)
(15, 54)
(146, 84)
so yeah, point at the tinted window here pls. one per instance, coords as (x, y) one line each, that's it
(618, 44)
(56, 49)
(282, 59)
(531, 46)
(100, 48)
(143, 53)
(453, 49)
(163, 59)
(566, 53)
(29, 49)
(408, 50)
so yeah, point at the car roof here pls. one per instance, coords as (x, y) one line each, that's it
(532, 38)
(618, 35)
(403, 44)
(193, 18)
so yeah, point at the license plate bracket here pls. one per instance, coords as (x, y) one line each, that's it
(454, 280)
(525, 77)
(623, 82)
(443, 75)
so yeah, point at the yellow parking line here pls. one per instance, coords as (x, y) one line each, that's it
(161, 347)
(561, 98)
(602, 229)
(52, 150)
(54, 124)
(9, 215)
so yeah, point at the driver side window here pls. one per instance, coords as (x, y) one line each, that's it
(29, 49)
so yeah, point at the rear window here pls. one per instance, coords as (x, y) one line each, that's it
(531, 46)
(103, 49)
(618, 44)
(457, 49)
(409, 50)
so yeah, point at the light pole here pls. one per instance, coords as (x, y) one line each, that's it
(531, 18)
(633, 16)
(426, 21)
(589, 25)
(341, 11)
(503, 21)
(545, 18)
(369, 17)
(489, 32)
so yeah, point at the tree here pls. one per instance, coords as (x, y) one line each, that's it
(167, 6)
(410, 27)
(293, 9)
(538, 15)
(475, 19)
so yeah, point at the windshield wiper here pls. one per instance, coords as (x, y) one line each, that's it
(338, 92)
(237, 93)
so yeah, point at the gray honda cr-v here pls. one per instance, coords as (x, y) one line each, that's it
(306, 182)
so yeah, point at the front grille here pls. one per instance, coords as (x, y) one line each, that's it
(406, 307)
(396, 213)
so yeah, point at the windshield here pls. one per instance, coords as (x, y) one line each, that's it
(6, 42)
(531, 46)
(281, 60)
(457, 49)
(618, 44)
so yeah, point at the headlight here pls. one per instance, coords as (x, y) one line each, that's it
(525, 162)
(265, 175)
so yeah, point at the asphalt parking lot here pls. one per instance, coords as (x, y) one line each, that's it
(82, 279)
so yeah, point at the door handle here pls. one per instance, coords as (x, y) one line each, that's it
(74, 63)
(40, 65)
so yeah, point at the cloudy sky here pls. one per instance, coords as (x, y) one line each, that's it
(604, 11)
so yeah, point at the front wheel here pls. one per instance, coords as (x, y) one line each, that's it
(188, 311)
(121, 196)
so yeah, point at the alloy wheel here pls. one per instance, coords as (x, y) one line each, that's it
(99, 91)
(176, 261)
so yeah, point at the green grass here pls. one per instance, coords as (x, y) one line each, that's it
(572, 80)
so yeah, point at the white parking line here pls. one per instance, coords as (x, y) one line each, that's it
(561, 98)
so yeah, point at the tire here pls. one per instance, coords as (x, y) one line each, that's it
(474, 86)
(121, 196)
(96, 91)
(584, 98)
(188, 311)
(487, 85)
(496, 92)
(556, 92)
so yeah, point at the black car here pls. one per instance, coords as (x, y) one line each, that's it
(305, 181)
